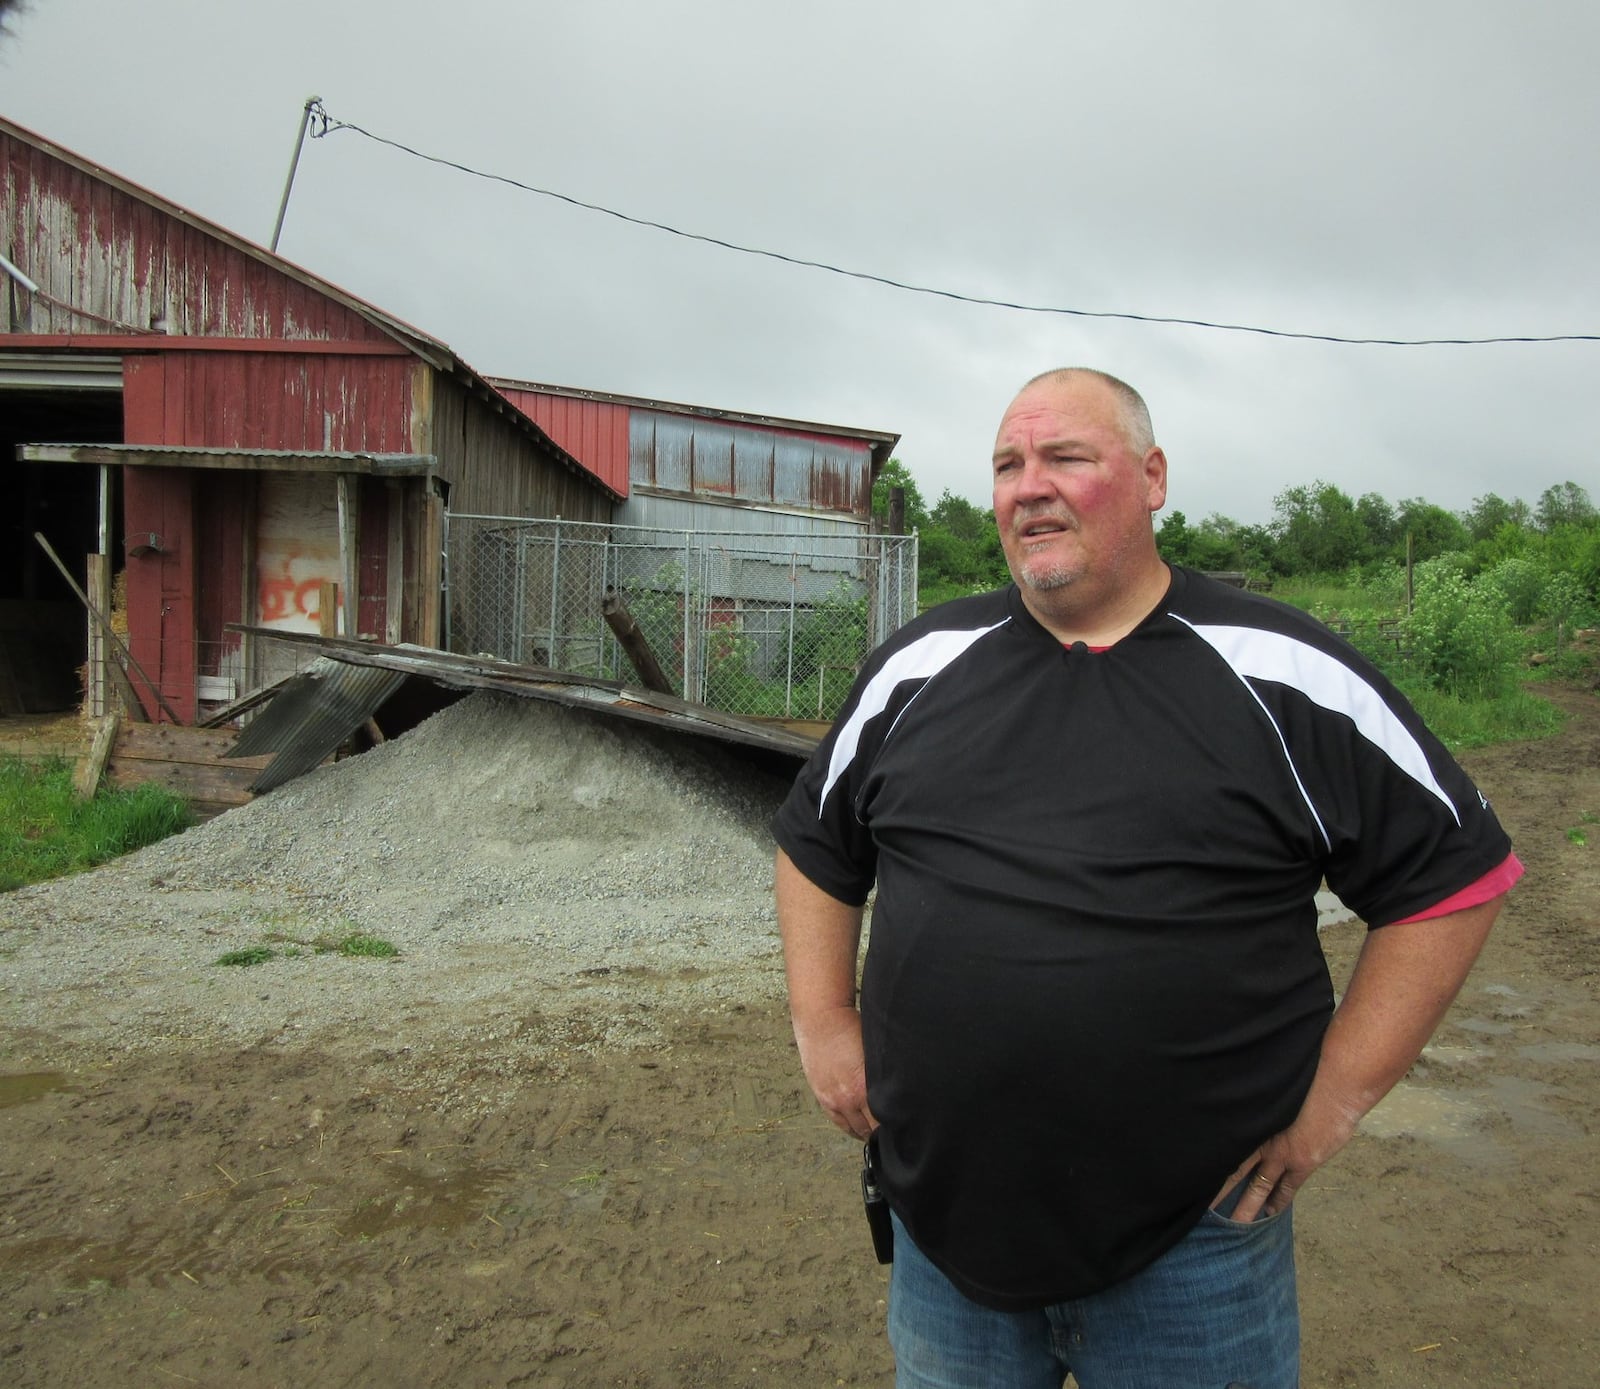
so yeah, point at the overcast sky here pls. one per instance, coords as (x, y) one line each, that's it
(1359, 168)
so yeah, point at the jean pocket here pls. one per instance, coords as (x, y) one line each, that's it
(1218, 1221)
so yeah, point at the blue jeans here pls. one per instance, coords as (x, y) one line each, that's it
(1216, 1310)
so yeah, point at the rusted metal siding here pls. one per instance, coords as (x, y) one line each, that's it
(750, 464)
(496, 468)
(595, 432)
(107, 261)
(709, 517)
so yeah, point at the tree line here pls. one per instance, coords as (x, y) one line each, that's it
(1317, 529)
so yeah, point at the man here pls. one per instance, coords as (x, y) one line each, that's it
(1097, 1048)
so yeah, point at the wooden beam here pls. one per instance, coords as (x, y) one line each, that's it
(328, 609)
(87, 780)
(250, 460)
(634, 642)
(105, 625)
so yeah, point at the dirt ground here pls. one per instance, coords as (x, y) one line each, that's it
(306, 1213)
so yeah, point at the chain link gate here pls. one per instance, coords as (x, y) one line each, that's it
(769, 624)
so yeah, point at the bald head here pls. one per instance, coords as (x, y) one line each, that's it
(1132, 413)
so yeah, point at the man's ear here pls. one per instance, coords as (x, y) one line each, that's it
(1155, 475)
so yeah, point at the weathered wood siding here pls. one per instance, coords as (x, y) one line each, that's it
(112, 262)
(496, 468)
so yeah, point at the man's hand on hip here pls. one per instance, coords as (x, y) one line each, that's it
(835, 1067)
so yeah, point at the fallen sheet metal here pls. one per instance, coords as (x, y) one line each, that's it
(311, 715)
(453, 671)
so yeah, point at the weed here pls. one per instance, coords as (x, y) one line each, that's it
(1579, 833)
(250, 955)
(359, 945)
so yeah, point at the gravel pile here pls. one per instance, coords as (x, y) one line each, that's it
(529, 861)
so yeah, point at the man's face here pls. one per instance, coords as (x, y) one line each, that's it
(1072, 499)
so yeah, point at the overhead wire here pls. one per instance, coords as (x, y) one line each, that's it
(325, 124)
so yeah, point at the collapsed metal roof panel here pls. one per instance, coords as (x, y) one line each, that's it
(311, 715)
(538, 682)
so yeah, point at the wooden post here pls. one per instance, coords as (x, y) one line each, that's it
(897, 511)
(349, 556)
(105, 626)
(93, 767)
(634, 643)
(328, 609)
(249, 583)
(97, 679)
(394, 562)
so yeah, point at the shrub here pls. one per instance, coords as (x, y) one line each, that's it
(1461, 635)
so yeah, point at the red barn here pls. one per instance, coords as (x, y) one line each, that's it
(239, 438)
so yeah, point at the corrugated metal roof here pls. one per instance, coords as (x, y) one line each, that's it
(595, 432)
(259, 460)
(882, 442)
(312, 714)
(538, 682)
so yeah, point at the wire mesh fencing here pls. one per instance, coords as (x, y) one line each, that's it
(768, 624)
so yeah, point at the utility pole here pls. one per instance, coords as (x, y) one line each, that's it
(299, 144)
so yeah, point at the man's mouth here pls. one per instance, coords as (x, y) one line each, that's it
(1042, 526)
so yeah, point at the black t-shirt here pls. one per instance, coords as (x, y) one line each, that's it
(1093, 982)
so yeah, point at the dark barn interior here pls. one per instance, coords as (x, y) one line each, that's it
(43, 626)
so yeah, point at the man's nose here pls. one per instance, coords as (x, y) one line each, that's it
(1033, 481)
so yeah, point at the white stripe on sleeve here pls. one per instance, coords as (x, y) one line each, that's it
(1262, 655)
(921, 660)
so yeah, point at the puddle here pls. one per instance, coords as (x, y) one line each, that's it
(1420, 1113)
(1466, 1124)
(1560, 1051)
(31, 1085)
(426, 1203)
(1484, 1026)
(1330, 910)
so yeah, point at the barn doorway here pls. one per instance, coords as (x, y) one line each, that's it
(43, 626)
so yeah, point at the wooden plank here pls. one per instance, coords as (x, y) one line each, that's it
(191, 780)
(328, 609)
(188, 762)
(165, 742)
(87, 779)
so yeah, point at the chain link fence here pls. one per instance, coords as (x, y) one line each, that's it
(768, 624)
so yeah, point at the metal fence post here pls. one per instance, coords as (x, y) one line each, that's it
(444, 574)
(788, 674)
(688, 691)
(519, 596)
(550, 658)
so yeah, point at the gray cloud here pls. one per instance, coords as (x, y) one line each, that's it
(1416, 170)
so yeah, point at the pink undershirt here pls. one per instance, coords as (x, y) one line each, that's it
(1489, 886)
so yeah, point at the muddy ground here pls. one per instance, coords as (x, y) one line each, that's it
(359, 1211)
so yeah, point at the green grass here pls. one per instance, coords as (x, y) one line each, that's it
(1476, 723)
(45, 832)
(361, 946)
(250, 955)
(356, 945)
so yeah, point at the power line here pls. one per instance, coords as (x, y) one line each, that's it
(327, 125)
